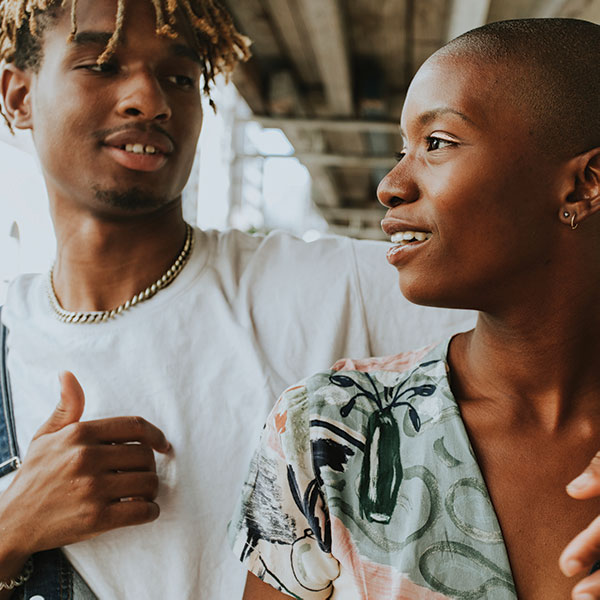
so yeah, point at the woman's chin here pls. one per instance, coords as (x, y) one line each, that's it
(421, 291)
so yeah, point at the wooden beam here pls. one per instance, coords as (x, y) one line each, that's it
(324, 23)
(246, 79)
(576, 9)
(293, 34)
(333, 160)
(548, 8)
(372, 215)
(362, 233)
(466, 15)
(341, 125)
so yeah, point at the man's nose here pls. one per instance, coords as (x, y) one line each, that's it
(397, 187)
(143, 97)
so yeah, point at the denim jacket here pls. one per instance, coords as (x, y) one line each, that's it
(53, 577)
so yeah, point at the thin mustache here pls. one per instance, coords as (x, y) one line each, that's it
(104, 133)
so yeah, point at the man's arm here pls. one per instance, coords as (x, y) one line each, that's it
(584, 550)
(259, 590)
(79, 479)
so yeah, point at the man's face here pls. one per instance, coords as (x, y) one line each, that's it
(473, 180)
(119, 138)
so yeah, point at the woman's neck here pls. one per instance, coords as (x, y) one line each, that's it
(539, 367)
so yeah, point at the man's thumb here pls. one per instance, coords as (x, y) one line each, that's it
(70, 407)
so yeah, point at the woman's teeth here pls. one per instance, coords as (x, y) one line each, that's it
(140, 149)
(406, 237)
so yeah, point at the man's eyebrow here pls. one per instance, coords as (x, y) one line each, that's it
(84, 38)
(101, 38)
(185, 51)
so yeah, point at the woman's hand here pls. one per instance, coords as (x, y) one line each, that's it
(583, 551)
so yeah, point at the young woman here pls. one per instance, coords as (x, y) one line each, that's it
(441, 473)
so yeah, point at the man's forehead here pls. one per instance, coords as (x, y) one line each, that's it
(102, 15)
(176, 47)
(96, 21)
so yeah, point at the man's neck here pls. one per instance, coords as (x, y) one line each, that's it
(101, 264)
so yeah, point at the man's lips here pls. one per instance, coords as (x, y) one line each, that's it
(137, 162)
(134, 137)
(139, 150)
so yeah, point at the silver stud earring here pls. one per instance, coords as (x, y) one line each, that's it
(566, 214)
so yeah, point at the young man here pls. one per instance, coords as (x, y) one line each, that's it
(194, 332)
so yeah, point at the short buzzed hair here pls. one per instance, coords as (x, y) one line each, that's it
(553, 73)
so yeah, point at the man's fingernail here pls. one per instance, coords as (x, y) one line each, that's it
(571, 567)
(580, 482)
(584, 596)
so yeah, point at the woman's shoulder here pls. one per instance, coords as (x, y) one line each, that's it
(397, 363)
(363, 384)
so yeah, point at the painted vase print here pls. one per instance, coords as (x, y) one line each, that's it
(381, 471)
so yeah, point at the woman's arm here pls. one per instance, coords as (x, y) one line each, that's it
(259, 590)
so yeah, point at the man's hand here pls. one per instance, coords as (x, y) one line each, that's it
(80, 479)
(583, 551)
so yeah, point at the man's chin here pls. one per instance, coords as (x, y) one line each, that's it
(132, 200)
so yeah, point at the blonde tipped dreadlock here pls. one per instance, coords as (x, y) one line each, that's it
(218, 43)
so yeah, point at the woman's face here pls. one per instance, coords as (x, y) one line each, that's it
(471, 178)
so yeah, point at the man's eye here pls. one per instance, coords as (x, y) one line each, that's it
(104, 68)
(436, 143)
(399, 155)
(182, 81)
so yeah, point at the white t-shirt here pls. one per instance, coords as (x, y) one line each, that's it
(204, 360)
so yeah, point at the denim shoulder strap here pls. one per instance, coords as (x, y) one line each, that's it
(9, 452)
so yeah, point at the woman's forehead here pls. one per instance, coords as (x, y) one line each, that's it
(461, 85)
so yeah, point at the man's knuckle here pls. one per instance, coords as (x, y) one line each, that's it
(90, 487)
(138, 424)
(595, 463)
(148, 511)
(93, 516)
(81, 459)
(73, 433)
(153, 483)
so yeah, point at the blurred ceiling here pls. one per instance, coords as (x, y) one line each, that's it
(332, 74)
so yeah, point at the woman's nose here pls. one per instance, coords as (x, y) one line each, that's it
(397, 187)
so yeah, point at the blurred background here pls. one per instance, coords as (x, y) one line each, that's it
(304, 132)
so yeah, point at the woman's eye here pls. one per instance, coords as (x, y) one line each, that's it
(399, 155)
(436, 143)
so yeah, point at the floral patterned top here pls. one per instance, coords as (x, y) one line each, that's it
(365, 486)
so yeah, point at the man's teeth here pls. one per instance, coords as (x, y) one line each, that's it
(140, 149)
(406, 237)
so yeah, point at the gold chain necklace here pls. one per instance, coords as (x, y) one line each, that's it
(167, 278)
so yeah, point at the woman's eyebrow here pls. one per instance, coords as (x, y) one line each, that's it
(432, 114)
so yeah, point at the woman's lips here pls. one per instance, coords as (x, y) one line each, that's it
(405, 243)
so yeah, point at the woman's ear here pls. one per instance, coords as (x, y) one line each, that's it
(584, 197)
(16, 97)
